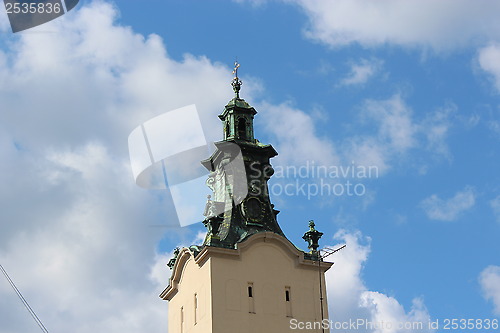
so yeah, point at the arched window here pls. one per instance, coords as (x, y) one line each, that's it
(242, 128)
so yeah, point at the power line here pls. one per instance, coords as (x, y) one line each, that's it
(25, 302)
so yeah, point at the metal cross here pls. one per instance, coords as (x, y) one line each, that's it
(235, 70)
(236, 82)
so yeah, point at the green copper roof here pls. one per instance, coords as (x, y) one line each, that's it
(239, 102)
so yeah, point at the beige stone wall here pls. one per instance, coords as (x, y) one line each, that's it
(189, 310)
(221, 278)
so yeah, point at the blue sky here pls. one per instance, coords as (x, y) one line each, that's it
(411, 88)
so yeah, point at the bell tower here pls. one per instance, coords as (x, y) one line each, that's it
(241, 205)
(246, 276)
(237, 116)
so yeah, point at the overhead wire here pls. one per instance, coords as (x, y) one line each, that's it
(25, 302)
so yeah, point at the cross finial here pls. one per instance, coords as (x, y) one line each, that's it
(311, 224)
(236, 82)
(235, 70)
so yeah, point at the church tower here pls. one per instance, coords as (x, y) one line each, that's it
(246, 276)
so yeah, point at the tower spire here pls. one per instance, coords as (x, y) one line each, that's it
(236, 82)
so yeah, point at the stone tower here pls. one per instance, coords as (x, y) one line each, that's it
(246, 276)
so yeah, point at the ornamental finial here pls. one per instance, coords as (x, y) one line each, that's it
(312, 237)
(236, 82)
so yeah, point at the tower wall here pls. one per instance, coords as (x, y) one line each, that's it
(189, 295)
(283, 286)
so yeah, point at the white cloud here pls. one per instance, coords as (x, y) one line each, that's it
(489, 61)
(386, 309)
(295, 136)
(367, 151)
(362, 71)
(390, 131)
(436, 24)
(394, 117)
(75, 229)
(82, 257)
(391, 119)
(349, 297)
(489, 279)
(395, 133)
(344, 281)
(435, 128)
(495, 206)
(449, 209)
(130, 78)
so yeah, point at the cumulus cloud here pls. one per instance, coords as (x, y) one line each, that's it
(434, 24)
(361, 72)
(489, 279)
(296, 135)
(449, 209)
(349, 297)
(82, 257)
(75, 229)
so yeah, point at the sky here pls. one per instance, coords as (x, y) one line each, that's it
(409, 89)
